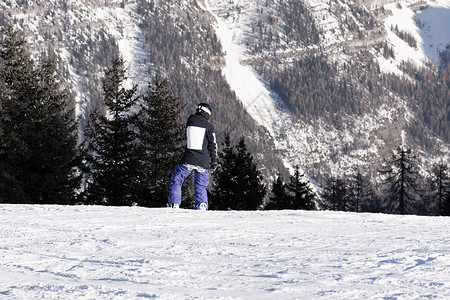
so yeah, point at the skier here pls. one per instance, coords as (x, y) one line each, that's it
(200, 155)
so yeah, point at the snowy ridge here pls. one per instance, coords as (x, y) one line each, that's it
(93, 252)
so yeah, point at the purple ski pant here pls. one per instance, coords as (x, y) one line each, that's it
(201, 181)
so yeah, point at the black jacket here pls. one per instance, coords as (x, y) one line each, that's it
(201, 147)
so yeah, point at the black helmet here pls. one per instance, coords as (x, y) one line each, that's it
(204, 109)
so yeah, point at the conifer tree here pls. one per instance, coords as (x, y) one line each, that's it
(302, 197)
(439, 186)
(446, 204)
(162, 135)
(237, 183)
(250, 189)
(38, 156)
(279, 198)
(358, 191)
(224, 181)
(336, 194)
(115, 177)
(400, 181)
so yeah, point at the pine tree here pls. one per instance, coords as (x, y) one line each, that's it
(358, 191)
(279, 196)
(237, 183)
(439, 186)
(224, 181)
(250, 190)
(16, 68)
(302, 196)
(400, 182)
(446, 204)
(336, 194)
(162, 135)
(115, 177)
(38, 155)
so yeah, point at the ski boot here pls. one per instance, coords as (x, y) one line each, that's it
(202, 206)
(173, 205)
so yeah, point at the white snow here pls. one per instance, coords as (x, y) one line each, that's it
(430, 27)
(122, 23)
(92, 252)
(435, 32)
(328, 23)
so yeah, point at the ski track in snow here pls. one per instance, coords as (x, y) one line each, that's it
(89, 252)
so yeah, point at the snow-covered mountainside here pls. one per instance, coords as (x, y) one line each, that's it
(252, 43)
(93, 252)
(309, 144)
(428, 23)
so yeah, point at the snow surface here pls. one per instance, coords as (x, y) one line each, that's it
(435, 32)
(92, 252)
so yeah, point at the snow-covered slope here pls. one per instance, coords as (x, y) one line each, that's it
(316, 143)
(87, 252)
(261, 103)
(427, 21)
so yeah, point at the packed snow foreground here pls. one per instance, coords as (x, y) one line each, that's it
(92, 252)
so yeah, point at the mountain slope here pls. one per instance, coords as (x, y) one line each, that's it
(175, 40)
(346, 32)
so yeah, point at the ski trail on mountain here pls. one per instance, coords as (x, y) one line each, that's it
(263, 104)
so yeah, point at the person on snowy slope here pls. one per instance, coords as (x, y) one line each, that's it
(200, 155)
